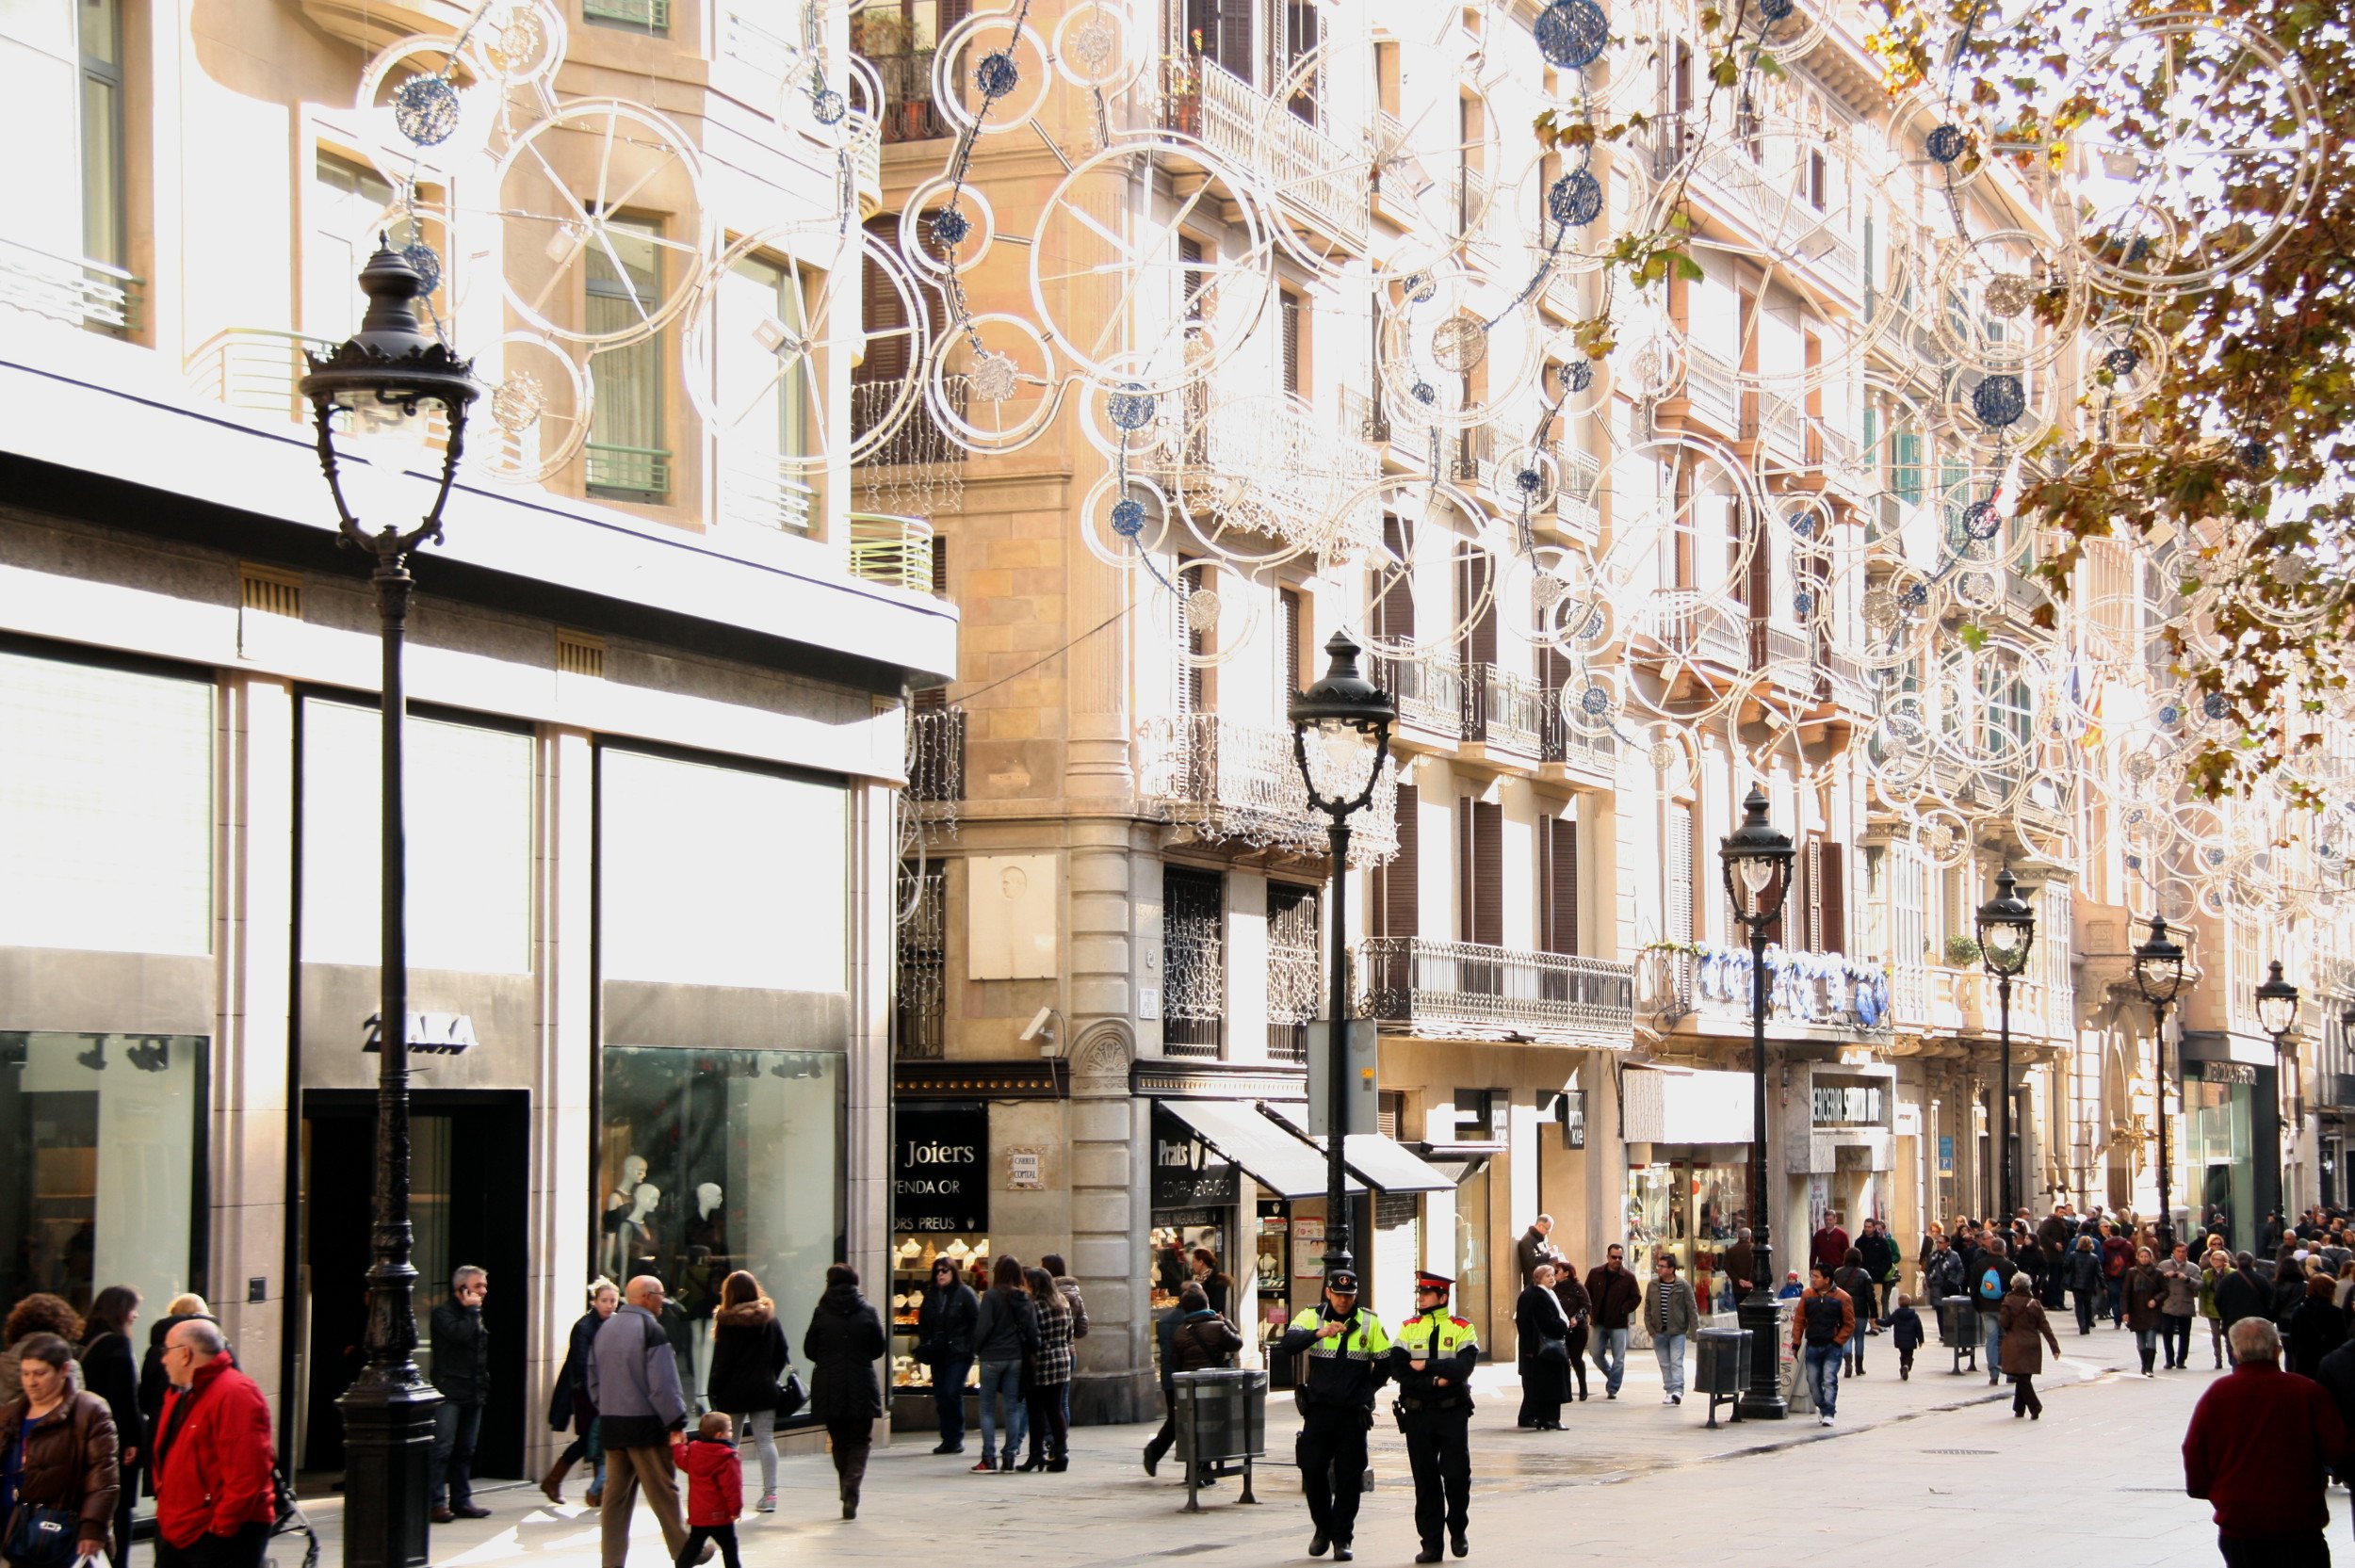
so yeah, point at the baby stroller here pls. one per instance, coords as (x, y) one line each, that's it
(290, 1522)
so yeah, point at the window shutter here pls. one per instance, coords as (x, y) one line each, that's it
(1287, 599)
(1234, 38)
(1190, 276)
(1487, 873)
(1678, 916)
(1464, 918)
(1400, 876)
(1192, 644)
(1292, 308)
(940, 567)
(1814, 891)
(880, 309)
(1480, 634)
(1833, 894)
(1394, 603)
(1561, 886)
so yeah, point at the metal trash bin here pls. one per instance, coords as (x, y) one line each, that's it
(1221, 1418)
(1958, 1329)
(1721, 1368)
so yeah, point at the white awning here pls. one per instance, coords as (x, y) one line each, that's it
(1383, 1161)
(1269, 1152)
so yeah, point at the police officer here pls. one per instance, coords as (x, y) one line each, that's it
(1432, 1365)
(1349, 1357)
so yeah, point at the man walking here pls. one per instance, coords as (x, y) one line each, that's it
(633, 1380)
(1432, 1364)
(462, 1370)
(1349, 1355)
(1616, 1296)
(1670, 1313)
(1990, 1280)
(1878, 1250)
(1856, 1281)
(1829, 1246)
(2260, 1449)
(215, 1501)
(1820, 1329)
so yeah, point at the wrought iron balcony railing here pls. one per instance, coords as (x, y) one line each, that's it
(1470, 991)
(1306, 169)
(1505, 710)
(1232, 781)
(909, 110)
(1827, 988)
(1429, 691)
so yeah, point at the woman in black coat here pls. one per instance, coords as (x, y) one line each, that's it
(749, 1354)
(110, 1371)
(1545, 1333)
(944, 1342)
(1579, 1308)
(569, 1404)
(845, 1339)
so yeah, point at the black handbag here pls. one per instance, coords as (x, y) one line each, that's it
(41, 1538)
(1553, 1352)
(791, 1395)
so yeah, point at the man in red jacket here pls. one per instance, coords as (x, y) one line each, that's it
(2261, 1448)
(215, 1501)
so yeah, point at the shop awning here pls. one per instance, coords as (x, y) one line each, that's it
(1384, 1162)
(1269, 1152)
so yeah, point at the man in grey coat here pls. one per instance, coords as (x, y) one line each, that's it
(633, 1382)
(1670, 1314)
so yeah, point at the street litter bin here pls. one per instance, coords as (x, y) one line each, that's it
(1958, 1329)
(1221, 1421)
(1721, 1368)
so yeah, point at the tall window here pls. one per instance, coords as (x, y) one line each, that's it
(628, 458)
(1397, 882)
(102, 224)
(347, 197)
(1557, 891)
(1295, 348)
(1478, 872)
(1294, 974)
(1194, 961)
(763, 393)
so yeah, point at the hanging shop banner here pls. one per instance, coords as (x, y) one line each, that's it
(1188, 1172)
(940, 1166)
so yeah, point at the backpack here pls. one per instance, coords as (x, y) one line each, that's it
(1992, 1285)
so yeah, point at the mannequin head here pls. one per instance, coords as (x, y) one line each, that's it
(645, 1199)
(633, 1172)
(707, 1199)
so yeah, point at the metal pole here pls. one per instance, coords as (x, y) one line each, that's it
(2003, 1100)
(1337, 1254)
(2158, 1050)
(1763, 1399)
(388, 1412)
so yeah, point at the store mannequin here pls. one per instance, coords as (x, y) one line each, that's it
(705, 1264)
(617, 1214)
(634, 1240)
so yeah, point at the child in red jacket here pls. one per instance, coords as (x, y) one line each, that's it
(715, 1489)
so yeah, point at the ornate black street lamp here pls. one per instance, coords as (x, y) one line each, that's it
(1757, 879)
(2007, 931)
(374, 397)
(1341, 739)
(2277, 1014)
(2159, 975)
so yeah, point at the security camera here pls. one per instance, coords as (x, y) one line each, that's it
(1042, 1028)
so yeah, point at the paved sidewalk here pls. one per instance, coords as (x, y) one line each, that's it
(1937, 1442)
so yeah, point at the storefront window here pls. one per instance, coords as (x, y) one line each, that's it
(99, 1161)
(2217, 1145)
(1689, 1206)
(912, 1262)
(710, 1162)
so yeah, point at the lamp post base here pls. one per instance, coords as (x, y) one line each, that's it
(1763, 1400)
(388, 1447)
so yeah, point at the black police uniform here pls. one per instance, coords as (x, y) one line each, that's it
(1435, 1419)
(1336, 1410)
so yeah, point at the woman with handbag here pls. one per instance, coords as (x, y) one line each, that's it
(749, 1354)
(58, 1477)
(1544, 1356)
(1579, 1308)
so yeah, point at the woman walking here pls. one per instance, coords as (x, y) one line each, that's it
(57, 1469)
(111, 1371)
(2086, 1287)
(2146, 1291)
(2216, 1265)
(569, 1404)
(40, 1313)
(845, 1336)
(1050, 1370)
(1005, 1334)
(2023, 1325)
(749, 1355)
(1545, 1336)
(1578, 1308)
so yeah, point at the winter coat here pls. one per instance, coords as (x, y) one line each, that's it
(1879, 1253)
(1673, 1311)
(2183, 1288)
(569, 1403)
(1857, 1283)
(153, 1383)
(2083, 1271)
(462, 1354)
(945, 1323)
(1616, 1297)
(70, 1461)
(715, 1477)
(1533, 1249)
(1739, 1263)
(633, 1380)
(2239, 1293)
(1941, 1276)
(1904, 1327)
(1577, 1305)
(1829, 1247)
(1006, 1328)
(1202, 1340)
(1539, 1317)
(2317, 1327)
(748, 1353)
(844, 1339)
(110, 1371)
(212, 1456)
(1050, 1365)
(1072, 1299)
(2118, 1256)
(2145, 1290)
(2026, 1332)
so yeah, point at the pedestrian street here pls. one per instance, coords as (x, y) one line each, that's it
(1906, 1461)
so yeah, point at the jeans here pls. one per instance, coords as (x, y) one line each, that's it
(2086, 1309)
(1611, 1357)
(586, 1447)
(761, 1427)
(2175, 1334)
(949, 1398)
(2147, 1341)
(451, 1472)
(1002, 1377)
(1822, 1377)
(2117, 1301)
(1669, 1348)
(1992, 1326)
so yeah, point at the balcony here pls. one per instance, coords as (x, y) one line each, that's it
(1579, 500)
(1429, 691)
(1568, 746)
(936, 756)
(255, 369)
(1299, 165)
(1503, 711)
(1230, 782)
(628, 473)
(1956, 999)
(1470, 991)
(907, 112)
(1740, 184)
(894, 551)
(756, 489)
(655, 14)
(78, 292)
(1302, 473)
(1821, 990)
(1680, 622)
(1710, 391)
(1363, 418)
